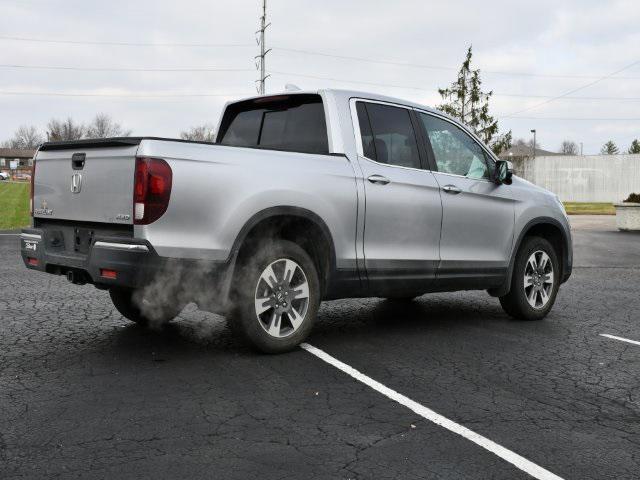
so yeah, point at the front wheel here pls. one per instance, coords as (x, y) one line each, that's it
(534, 282)
(276, 297)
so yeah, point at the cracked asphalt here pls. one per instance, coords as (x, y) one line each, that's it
(86, 394)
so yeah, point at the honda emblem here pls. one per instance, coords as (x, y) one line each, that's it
(76, 182)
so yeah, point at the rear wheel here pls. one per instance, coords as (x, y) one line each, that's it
(276, 297)
(535, 281)
(133, 305)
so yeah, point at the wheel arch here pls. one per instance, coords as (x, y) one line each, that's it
(550, 229)
(291, 223)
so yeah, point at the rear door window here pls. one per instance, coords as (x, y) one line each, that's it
(293, 123)
(387, 134)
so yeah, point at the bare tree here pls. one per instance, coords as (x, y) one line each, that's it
(569, 147)
(103, 126)
(521, 142)
(59, 130)
(201, 133)
(25, 137)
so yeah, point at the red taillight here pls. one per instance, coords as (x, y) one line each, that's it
(33, 176)
(32, 261)
(106, 273)
(151, 190)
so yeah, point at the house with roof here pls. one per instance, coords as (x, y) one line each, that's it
(23, 157)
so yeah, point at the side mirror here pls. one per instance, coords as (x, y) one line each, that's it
(504, 172)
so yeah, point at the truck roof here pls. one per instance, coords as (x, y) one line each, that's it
(344, 93)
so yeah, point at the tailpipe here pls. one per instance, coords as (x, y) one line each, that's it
(77, 277)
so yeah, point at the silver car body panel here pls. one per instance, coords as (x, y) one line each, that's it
(217, 189)
(105, 190)
(227, 186)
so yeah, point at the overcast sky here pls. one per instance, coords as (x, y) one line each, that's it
(542, 49)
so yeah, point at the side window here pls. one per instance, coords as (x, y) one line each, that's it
(455, 151)
(244, 130)
(387, 134)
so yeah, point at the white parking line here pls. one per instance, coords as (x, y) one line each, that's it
(513, 458)
(634, 342)
(9, 234)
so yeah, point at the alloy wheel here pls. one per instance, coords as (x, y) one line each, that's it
(538, 279)
(282, 298)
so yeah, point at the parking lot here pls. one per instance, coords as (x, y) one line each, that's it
(84, 393)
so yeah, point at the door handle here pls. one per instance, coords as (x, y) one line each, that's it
(378, 179)
(452, 189)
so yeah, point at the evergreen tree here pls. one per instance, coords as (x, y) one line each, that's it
(609, 148)
(635, 146)
(465, 100)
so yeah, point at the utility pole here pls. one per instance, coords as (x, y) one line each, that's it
(533, 147)
(263, 50)
(580, 148)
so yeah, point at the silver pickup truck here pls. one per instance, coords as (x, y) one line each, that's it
(304, 197)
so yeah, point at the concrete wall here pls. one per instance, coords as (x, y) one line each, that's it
(589, 178)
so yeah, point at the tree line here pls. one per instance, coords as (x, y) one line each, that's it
(102, 126)
(569, 147)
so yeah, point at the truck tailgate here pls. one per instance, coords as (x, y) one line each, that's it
(85, 184)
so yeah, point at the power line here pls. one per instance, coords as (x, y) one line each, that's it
(432, 90)
(439, 67)
(517, 95)
(242, 94)
(125, 69)
(306, 52)
(589, 119)
(123, 95)
(566, 94)
(125, 44)
(284, 74)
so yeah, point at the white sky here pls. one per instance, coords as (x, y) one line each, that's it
(585, 39)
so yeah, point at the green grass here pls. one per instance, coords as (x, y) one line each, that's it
(582, 208)
(14, 205)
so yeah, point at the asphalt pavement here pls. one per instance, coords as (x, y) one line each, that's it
(86, 394)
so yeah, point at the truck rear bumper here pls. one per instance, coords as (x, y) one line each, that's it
(109, 261)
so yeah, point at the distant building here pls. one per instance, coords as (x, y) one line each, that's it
(23, 157)
(523, 152)
(520, 155)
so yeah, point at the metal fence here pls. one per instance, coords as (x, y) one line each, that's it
(588, 178)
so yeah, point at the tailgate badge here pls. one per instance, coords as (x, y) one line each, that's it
(44, 210)
(76, 183)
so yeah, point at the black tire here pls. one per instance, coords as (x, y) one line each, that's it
(127, 302)
(243, 317)
(516, 303)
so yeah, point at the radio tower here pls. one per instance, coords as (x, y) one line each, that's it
(260, 64)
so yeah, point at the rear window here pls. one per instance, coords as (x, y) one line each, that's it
(294, 123)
